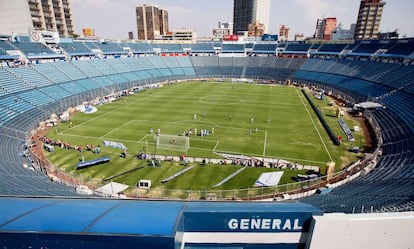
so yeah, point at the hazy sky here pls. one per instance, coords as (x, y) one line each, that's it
(114, 18)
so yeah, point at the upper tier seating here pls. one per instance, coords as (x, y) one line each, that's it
(264, 49)
(77, 49)
(4, 48)
(204, 47)
(34, 49)
(232, 48)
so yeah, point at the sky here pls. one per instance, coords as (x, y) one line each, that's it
(113, 19)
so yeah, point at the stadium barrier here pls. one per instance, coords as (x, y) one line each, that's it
(325, 125)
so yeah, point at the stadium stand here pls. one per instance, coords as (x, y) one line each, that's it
(296, 48)
(109, 48)
(141, 48)
(31, 93)
(401, 48)
(76, 49)
(5, 49)
(202, 48)
(11, 83)
(264, 49)
(169, 48)
(366, 48)
(34, 50)
(331, 49)
(232, 48)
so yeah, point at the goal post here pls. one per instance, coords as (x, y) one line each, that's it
(172, 142)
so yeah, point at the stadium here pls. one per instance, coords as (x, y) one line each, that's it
(366, 204)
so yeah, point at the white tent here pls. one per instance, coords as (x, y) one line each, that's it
(112, 188)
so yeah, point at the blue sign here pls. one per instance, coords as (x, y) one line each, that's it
(248, 217)
(269, 37)
(246, 222)
(258, 225)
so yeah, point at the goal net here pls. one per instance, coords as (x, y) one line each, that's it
(172, 142)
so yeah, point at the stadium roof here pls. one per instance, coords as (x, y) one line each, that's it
(89, 216)
(122, 217)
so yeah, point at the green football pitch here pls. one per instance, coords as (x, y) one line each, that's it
(268, 121)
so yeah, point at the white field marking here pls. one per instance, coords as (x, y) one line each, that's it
(140, 141)
(214, 149)
(272, 104)
(73, 135)
(181, 122)
(117, 128)
(82, 136)
(102, 115)
(314, 125)
(265, 143)
(246, 100)
(235, 128)
(133, 141)
(87, 121)
(200, 139)
(202, 100)
(192, 122)
(197, 148)
(213, 124)
(270, 156)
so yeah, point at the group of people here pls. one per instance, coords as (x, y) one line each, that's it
(202, 133)
(68, 146)
(254, 162)
(251, 162)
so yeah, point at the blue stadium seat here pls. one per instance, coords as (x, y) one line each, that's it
(29, 94)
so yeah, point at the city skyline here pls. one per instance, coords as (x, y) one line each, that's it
(116, 18)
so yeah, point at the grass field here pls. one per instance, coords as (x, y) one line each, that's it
(255, 120)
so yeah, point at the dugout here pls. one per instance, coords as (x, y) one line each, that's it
(92, 162)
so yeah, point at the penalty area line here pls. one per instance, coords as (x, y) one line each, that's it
(217, 143)
(117, 128)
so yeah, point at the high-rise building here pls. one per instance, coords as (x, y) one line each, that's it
(256, 29)
(299, 37)
(223, 29)
(152, 22)
(369, 18)
(130, 35)
(23, 16)
(320, 27)
(339, 33)
(183, 34)
(330, 26)
(246, 12)
(324, 28)
(283, 33)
